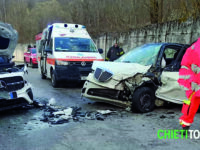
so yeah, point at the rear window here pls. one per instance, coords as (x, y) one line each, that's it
(33, 51)
(4, 43)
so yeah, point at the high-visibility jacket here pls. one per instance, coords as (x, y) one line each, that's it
(189, 74)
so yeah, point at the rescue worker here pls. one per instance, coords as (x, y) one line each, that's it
(189, 78)
(114, 52)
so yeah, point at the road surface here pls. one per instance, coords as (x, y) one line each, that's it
(22, 130)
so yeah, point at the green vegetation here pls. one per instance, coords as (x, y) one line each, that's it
(99, 16)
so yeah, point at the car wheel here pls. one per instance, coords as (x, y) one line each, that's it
(25, 62)
(54, 80)
(143, 100)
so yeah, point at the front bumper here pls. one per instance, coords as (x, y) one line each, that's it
(74, 73)
(16, 98)
(88, 86)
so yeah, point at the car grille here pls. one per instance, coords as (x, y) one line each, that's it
(81, 64)
(13, 83)
(107, 93)
(82, 67)
(102, 75)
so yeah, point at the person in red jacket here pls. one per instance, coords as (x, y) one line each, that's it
(189, 78)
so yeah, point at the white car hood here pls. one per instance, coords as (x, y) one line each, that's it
(7, 31)
(121, 70)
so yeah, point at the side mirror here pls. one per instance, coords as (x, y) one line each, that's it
(13, 56)
(48, 51)
(100, 51)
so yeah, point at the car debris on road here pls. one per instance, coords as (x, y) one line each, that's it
(54, 114)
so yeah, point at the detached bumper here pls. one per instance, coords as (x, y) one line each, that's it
(72, 73)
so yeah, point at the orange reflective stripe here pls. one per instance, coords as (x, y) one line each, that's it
(51, 61)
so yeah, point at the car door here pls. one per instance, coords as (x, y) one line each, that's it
(169, 89)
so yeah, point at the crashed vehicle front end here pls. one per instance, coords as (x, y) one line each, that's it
(14, 90)
(140, 79)
(116, 86)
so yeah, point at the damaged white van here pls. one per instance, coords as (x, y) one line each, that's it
(14, 90)
(139, 79)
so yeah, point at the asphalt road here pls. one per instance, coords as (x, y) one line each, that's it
(22, 130)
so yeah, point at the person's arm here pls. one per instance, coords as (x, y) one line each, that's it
(186, 75)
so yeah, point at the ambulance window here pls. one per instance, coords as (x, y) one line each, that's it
(49, 45)
(74, 45)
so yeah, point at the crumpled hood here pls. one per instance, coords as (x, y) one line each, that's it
(8, 39)
(121, 70)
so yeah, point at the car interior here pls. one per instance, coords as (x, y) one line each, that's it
(173, 57)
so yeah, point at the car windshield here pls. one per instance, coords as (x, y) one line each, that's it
(33, 51)
(144, 55)
(74, 45)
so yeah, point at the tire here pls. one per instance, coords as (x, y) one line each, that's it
(54, 80)
(143, 100)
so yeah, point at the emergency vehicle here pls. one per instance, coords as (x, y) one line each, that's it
(66, 52)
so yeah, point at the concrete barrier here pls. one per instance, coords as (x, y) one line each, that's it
(175, 32)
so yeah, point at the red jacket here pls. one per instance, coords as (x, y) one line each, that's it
(189, 74)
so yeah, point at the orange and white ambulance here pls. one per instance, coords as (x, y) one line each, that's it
(66, 52)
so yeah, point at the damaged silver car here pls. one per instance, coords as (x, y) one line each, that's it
(14, 90)
(142, 78)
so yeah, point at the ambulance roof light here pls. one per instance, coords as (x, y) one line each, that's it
(83, 27)
(65, 25)
(50, 27)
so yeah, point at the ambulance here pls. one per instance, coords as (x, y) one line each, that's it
(66, 52)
